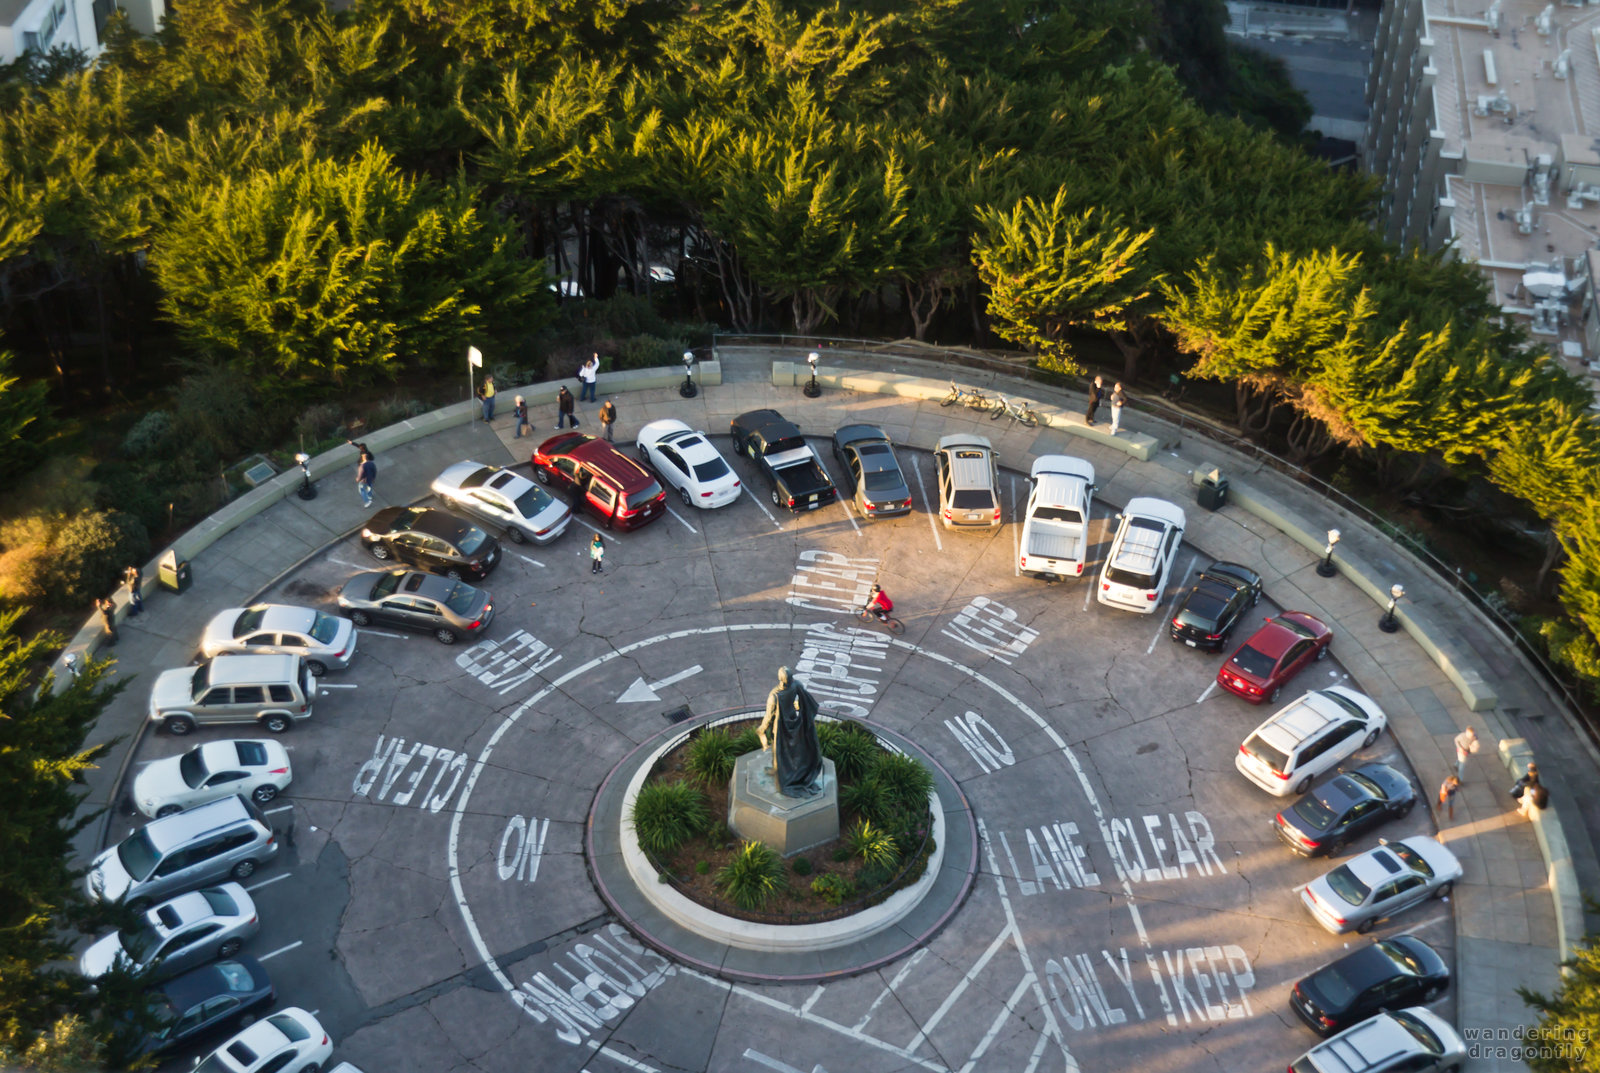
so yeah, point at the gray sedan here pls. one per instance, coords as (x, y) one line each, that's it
(509, 500)
(327, 642)
(178, 934)
(447, 609)
(880, 487)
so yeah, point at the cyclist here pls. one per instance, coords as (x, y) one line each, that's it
(879, 603)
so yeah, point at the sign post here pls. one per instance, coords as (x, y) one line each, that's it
(474, 361)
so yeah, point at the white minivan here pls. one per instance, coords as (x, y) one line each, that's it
(1142, 553)
(1308, 737)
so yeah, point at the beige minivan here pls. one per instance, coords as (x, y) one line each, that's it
(271, 691)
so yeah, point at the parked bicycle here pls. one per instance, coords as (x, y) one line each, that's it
(967, 396)
(1019, 411)
(884, 619)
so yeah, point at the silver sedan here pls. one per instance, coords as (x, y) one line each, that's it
(180, 933)
(503, 498)
(327, 642)
(1381, 882)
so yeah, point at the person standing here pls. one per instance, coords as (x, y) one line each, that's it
(589, 374)
(1530, 793)
(1097, 392)
(597, 554)
(134, 578)
(486, 393)
(1466, 745)
(1118, 398)
(108, 618)
(608, 417)
(366, 473)
(565, 405)
(1447, 794)
(519, 417)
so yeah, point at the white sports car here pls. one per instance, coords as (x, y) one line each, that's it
(503, 498)
(686, 460)
(257, 768)
(289, 1041)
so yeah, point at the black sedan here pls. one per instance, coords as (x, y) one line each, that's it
(880, 487)
(1388, 975)
(445, 608)
(432, 540)
(211, 998)
(1214, 606)
(1343, 808)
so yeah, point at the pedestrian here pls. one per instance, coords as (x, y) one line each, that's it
(588, 374)
(608, 417)
(366, 473)
(519, 417)
(1118, 398)
(597, 554)
(1447, 794)
(1466, 745)
(565, 405)
(486, 395)
(108, 618)
(1530, 792)
(1097, 391)
(134, 578)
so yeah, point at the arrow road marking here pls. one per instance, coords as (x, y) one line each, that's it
(639, 691)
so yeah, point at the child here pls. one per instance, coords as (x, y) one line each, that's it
(597, 553)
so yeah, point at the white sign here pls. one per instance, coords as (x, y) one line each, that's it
(474, 357)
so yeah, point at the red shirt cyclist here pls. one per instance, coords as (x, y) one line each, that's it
(880, 604)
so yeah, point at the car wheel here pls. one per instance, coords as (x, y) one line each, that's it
(316, 667)
(361, 618)
(1322, 653)
(244, 869)
(381, 551)
(1369, 739)
(1255, 597)
(1272, 698)
(776, 502)
(540, 475)
(180, 725)
(517, 535)
(683, 494)
(263, 794)
(275, 724)
(453, 574)
(444, 636)
(1445, 889)
(1335, 848)
(229, 948)
(168, 810)
(1303, 785)
(1366, 925)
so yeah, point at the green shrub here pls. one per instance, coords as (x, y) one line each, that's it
(702, 868)
(720, 835)
(217, 412)
(801, 866)
(872, 844)
(746, 741)
(906, 780)
(833, 888)
(649, 351)
(851, 747)
(752, 877)
(668, 814)
(841, 855)
(395, 409)
(150, 435)
(91, 551)
(868, 798)
(710, 756)
(319, 421)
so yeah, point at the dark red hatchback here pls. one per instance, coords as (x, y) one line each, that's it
(1274, 654)
(600, 479)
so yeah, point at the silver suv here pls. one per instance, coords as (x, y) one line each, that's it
(224, 838)
(271, 691)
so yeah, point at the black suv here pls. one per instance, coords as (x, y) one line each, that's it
(432, 540)
(1388, 975)
(1212, 609)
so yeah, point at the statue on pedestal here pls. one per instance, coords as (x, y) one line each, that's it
(797, 756)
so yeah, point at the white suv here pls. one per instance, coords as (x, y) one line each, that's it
(1307, 737)
(1055, 532)
(1142, 553)
(1413, 1040)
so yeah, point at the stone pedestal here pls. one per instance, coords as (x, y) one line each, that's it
(758, 812)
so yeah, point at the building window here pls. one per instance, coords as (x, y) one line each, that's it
(43, 39)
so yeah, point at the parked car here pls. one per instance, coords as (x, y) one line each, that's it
(255, 768)
(1344, 808)
(798, 479)
(326, 642)
(290, 1041)
(432, 540)
(1208, 615)
(1055, 529)
(447, 609)
(601, 479)
(520, 508)
(1307, 737)
(219, 840)
(1413, 1040)
(224, 994)
(273, 692)
(1379, 883)
(1387, 975)
(968, 474)
(180, 933)
(686, 460)
(1149, 532)
(867, 455)
(1274, 654)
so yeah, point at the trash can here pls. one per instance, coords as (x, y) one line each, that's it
(173, 573)
(1213, 490)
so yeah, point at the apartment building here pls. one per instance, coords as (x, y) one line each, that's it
(42, 25)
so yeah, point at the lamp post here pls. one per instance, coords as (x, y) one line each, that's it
(1326, 567)
(687, 388)
(1388, 623)
(811, 389)
(307, 489)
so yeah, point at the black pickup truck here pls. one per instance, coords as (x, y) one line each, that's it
(794, 469)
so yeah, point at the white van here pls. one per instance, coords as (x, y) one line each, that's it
(1142, 553)
(1308, 737)
(1055, 531)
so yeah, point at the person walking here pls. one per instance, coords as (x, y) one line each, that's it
(1118, 398)
(519, 417)
(588, 375)
(1097, 391)
(1447, 794)
(1466, 745)
(108, 618)
(608, 417)
(597, 554)
(366, 473)
(565, 405)
(133, 577)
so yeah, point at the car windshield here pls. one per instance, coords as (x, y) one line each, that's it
(972, 499)
(1401, 958)
(214, 1064)
(473, 540)
(532, 502)
(1411, 857)
(640, 498)
(220, 902)
(1252, 662)
(1344, 883)
(883, 480)
(251, 753)
(711, 469)
(1294, 627)
(1419, 1031)
(1344, 702)
(140, 942)
(192, 768)
(1265, 752)
(200, 680)
(235, 977)
(387, 584)
(1058, 514)
(462, 599)
(249, 621)
(138, 856)
(1196, 620)
(1315, 812)
(289, 1027)
(1367, 784)
(324, 628)
(1330, 988)
(477, 477)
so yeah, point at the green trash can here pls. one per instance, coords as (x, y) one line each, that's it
(1213, 491)
(173, 573)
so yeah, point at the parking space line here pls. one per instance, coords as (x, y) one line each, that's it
(268, 882)
(525, 559)
(281, 950)
(366, 632)
(752, 497)
(899, 978)
(932, 510)
(351, 565)
(337, 685)
(686, 525)
(1210, 689)
(586, 525)
(1016, 530)
(848, 513)
(1161, 628)
(274, 811)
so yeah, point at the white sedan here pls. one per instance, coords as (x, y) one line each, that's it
(289, 1041)
(326, 641)
(509, 500)
(257, 768)
(686, 460)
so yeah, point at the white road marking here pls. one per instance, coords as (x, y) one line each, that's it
(1172, 606)
(275, 811)
(525, 559)
(337, 685)
(686, 525)
(583, 523)
(762, 507)
(899, 978)
(367, 631)
(773, 1063)
(280, 950)
(812, 1001)
(640, 691)
(1016, 529)
(268, 882)
(1209, 690)
(933, 509)
(851, 514)
(354, 566)
(1005, 936)
(620, 1058)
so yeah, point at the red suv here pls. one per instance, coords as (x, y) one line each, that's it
(601, 479)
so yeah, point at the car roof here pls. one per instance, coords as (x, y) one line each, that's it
(197, 985)
(251, 668)
(1300, 721)
(1394, 783)
(664, 428)
(441, 524)
(1232, 575)
(1063, 466)
(183, 909)
(220, 755)
(602, 456)
(1369, 1044)
(466, 474)
(191, 823)
(855, 434)
(1340, 792)
(956, 440)
(434, 587)
(1060, 488)
(1159, 509)
(1208, 597)
(1377, 865)
(285, 617)
(1362, 967)
(1272, 639)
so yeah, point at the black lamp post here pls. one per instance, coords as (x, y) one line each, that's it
(1326, 567)
(811, 389)
(1388, 623)
(687, 388)
(307, 489)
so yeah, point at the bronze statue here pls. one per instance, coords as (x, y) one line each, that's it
(797, 756)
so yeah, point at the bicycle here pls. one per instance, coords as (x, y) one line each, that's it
(884, 619)
(1019, 411)
(971, 397)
